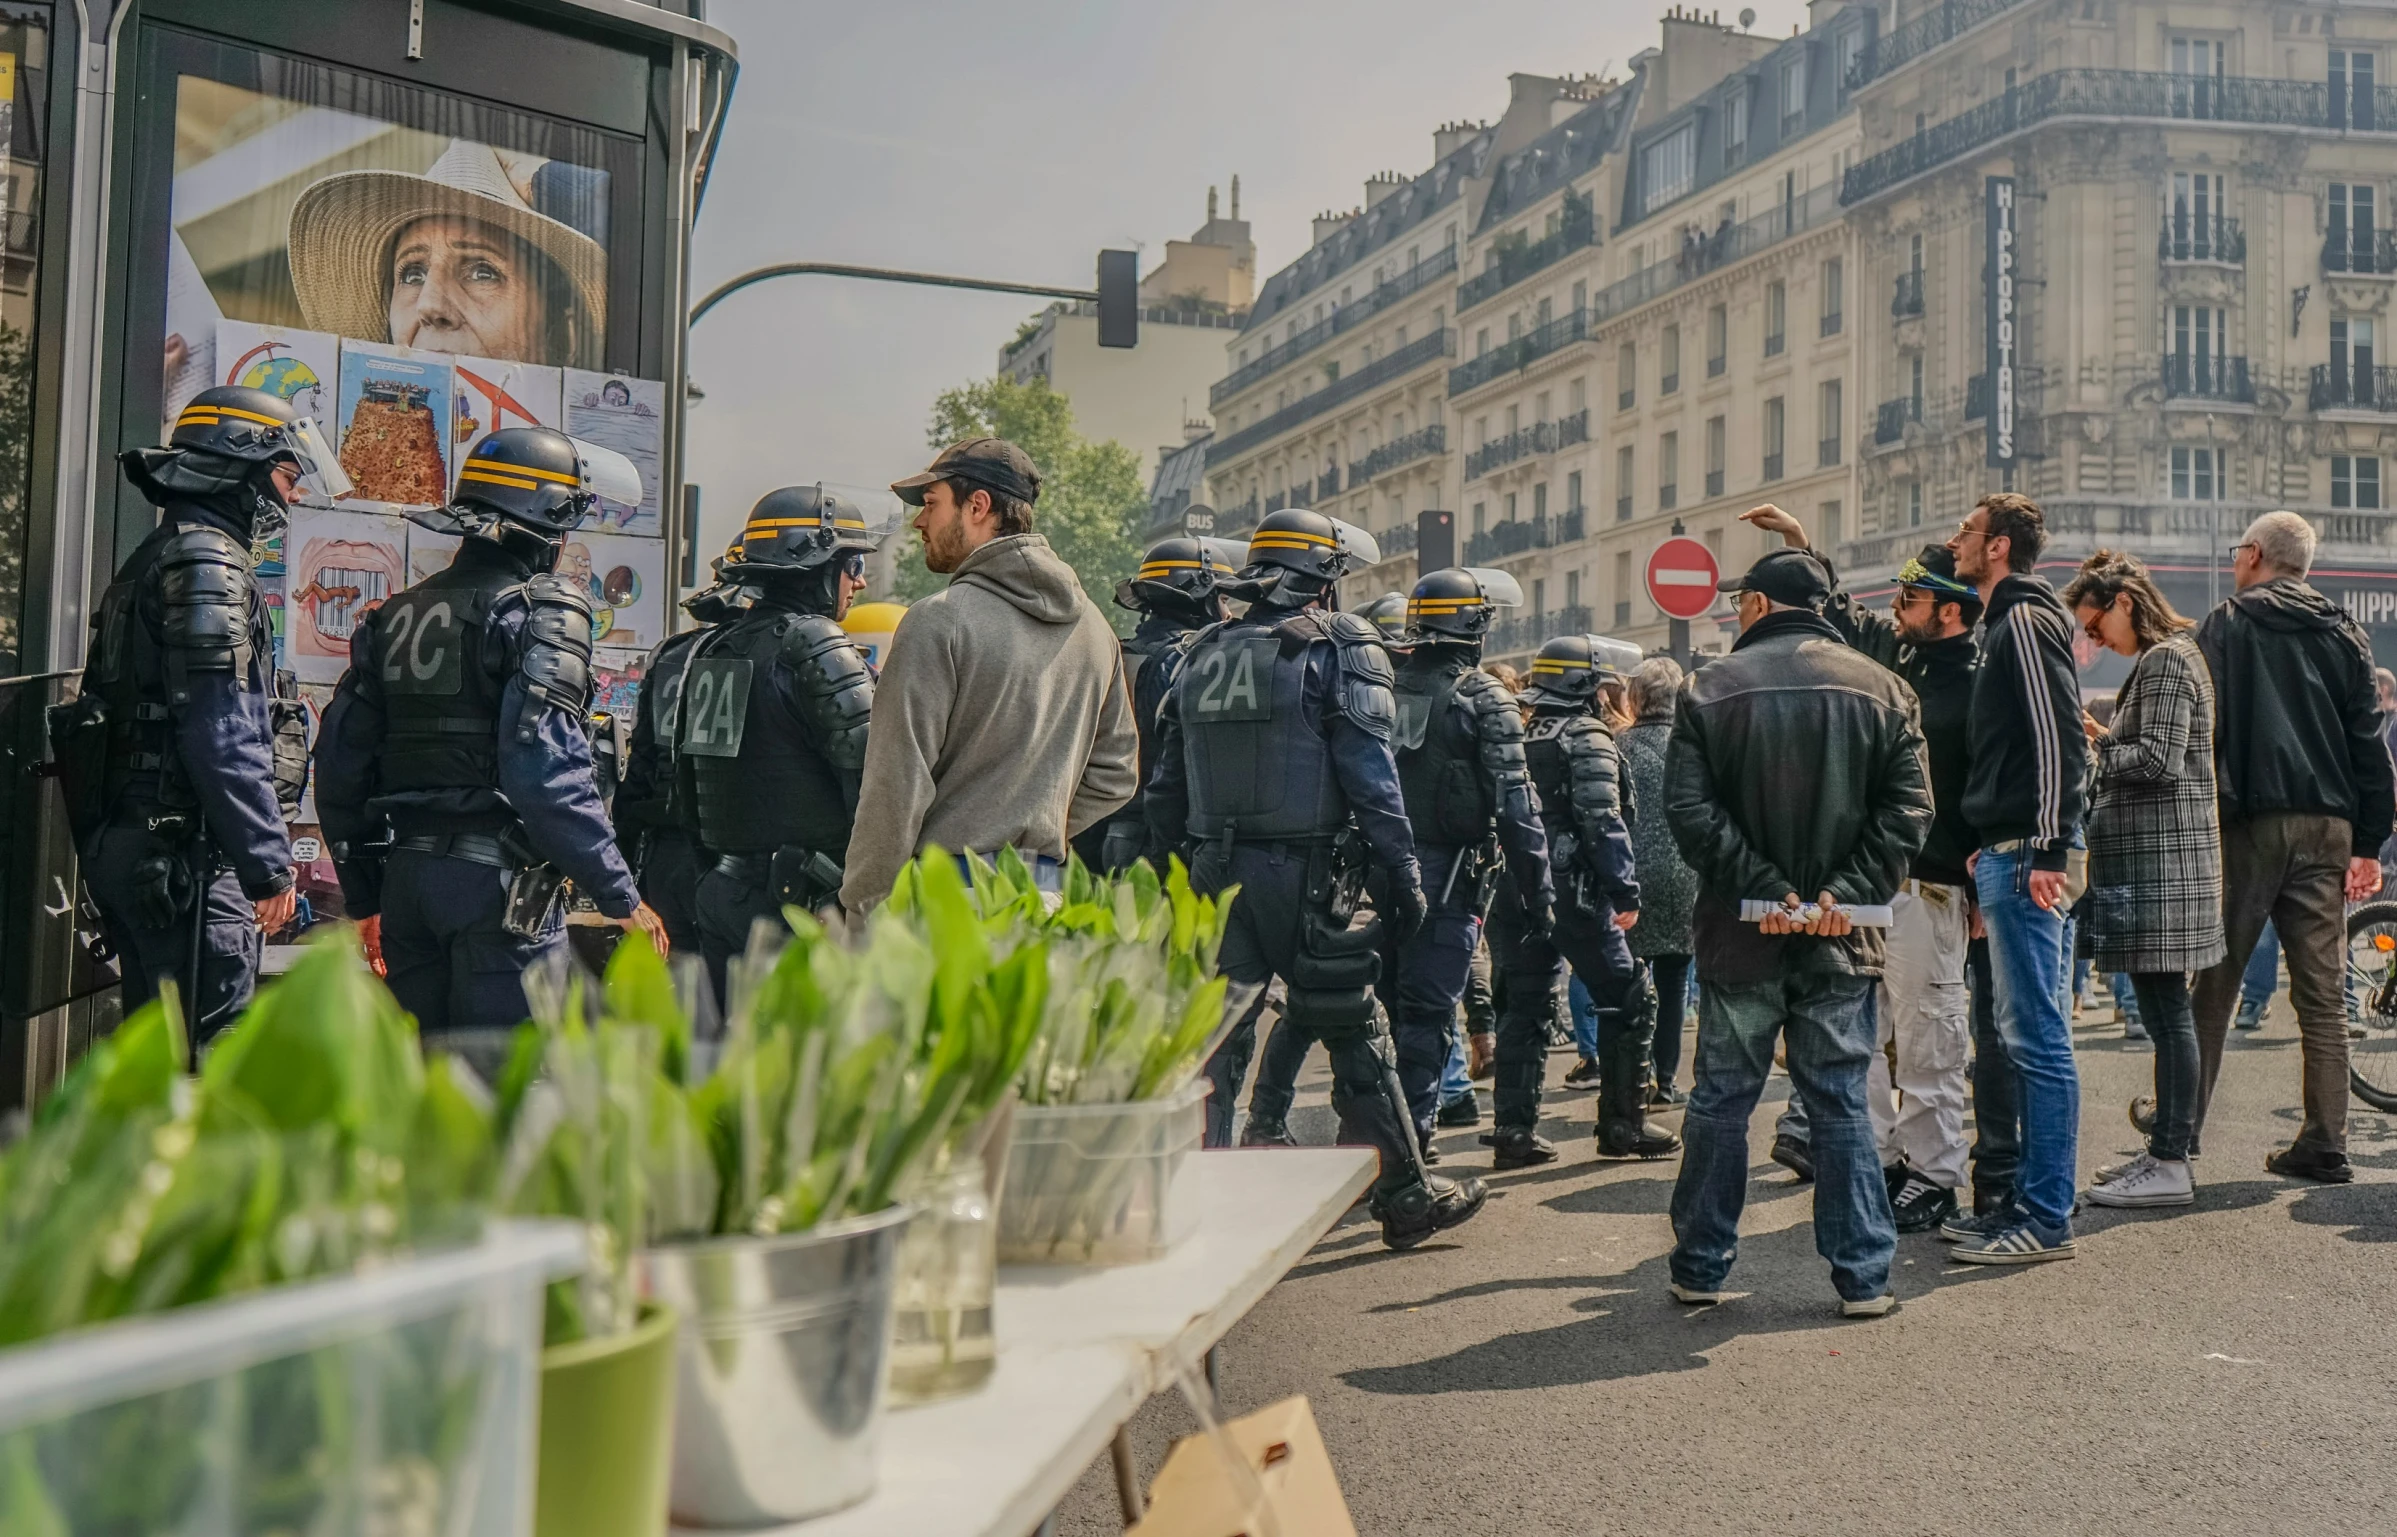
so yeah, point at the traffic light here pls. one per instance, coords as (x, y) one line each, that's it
(1435, 541)
(1119, 298)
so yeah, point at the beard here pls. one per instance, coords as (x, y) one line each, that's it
(945, 547)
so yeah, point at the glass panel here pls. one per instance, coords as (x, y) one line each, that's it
(24, 102)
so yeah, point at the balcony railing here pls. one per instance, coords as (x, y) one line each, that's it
(1516, 535)
(1943, 23)
(1235, 519)
(2361, 250)
(1532, 631)
(1520, 353)
(1379, 298)
(1907, 301)
(1889, 421)
(2335, 388)
(2199, 526)
(1577, 229)
(1277, 501)
(1422, 443)
(1348, 387)
(1772, 466)
(1524, 442)
(1327, 485)
(2187, 239)
(2190, 377)
(1398, 539)
(2102, 93)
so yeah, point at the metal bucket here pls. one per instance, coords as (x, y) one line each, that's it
(780, 1370)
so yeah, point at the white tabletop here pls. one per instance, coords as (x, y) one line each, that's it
(1080, 1350)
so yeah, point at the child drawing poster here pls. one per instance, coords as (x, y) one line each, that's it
(493, 393)
(345, 565)
(626, 578)
(266, 565)
(629, 416)
(395, 424)
(617, 673)
(303, 367)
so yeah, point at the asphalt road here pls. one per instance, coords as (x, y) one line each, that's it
(2224, 1368)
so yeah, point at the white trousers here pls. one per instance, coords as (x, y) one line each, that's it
(1925, 1008)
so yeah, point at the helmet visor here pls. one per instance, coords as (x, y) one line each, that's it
(877, 509)
(1356, 544)
(1225, 557)
(1498, 588)
(320, 467)
(1614, 658)
(607, 474)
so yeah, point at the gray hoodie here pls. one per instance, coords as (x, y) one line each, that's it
(1001, 720)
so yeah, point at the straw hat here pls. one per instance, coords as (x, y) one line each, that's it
(342, 229)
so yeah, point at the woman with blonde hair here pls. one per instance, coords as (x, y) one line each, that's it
(2155, 850)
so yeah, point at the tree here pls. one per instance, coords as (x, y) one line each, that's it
(1091, 506)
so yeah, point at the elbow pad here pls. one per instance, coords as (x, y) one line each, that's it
(204, 590)
(831, 687)
(554, 656)
(1364, 687)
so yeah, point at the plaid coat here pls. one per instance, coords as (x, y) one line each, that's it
(2155, 843)
(1668, 886)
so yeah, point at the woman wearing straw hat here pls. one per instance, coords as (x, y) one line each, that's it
(488, 253)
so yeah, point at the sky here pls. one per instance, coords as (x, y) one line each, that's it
(1016, 141)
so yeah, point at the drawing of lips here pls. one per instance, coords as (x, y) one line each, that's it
(347, 580)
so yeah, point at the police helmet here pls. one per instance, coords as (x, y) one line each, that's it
(541, 479)
(1180, 575)
(1310, 543)
(224, 437)
(1388, 614)
(1461, 602)
(802, 528)
(1569, 668)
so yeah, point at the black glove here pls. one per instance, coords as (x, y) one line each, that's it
(1539, 917)
(1408, 909)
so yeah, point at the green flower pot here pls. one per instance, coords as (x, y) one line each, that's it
(607, 1432)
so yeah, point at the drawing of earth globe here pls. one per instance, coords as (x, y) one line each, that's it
(290, 378)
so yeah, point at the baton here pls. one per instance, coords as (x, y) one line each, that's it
(1863, 915)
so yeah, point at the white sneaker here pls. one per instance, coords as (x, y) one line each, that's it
(2114, 1171)
(2157, 1182)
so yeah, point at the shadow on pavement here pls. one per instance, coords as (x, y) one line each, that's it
(2367, 1212)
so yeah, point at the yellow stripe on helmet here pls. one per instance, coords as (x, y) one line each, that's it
(486, 478)
(207, 415)
(1289, 534)
(1550, 665)
(526, 470)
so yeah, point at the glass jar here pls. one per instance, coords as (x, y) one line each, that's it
(941, 1339)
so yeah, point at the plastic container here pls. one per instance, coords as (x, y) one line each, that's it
(781, 1366)
(401, 1400)
(1101, 1184)
(607, 1432)
(941, 1339)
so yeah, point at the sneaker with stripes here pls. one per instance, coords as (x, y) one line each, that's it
(2027, 1242)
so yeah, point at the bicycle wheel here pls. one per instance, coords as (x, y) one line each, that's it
(2372, 994)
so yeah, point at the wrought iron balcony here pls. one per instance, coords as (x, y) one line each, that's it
(1907, 302)
(2361, 250)
(1233, 519)
(1327, 485)
(1380, 297)
(1942, 23)
(2103, 93)
(1889, 421)
(1348, 387)
(2192, 377)
(1520, 353)
(1422, 443)
(1523, 442)
(1577, 228)
(1517, 535)
(1532, 631)
(2188, 239)
(1277, 501)
(2335, 387)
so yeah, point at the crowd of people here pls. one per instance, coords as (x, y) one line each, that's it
(1873, 845)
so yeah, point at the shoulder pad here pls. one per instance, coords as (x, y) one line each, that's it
(204, 589)
(831, 688)
(1349, 630)
(1363, 688)
(554, 656)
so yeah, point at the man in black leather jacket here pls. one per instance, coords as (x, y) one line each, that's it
(1796, 774)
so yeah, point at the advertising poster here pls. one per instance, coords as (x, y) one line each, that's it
(626, 578)
(616, 674)
(266, 564)
(492, 393)
(303, 367)
(395, 411)
(627, 415)
(342, 565)
(428, 552)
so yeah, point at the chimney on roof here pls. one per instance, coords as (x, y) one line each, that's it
(1235, 194)
(1328, 224)
(1381, 184)
(1210, 204)
(1195, 428)
(1448, 138)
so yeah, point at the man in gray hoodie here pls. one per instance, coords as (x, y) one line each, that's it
(1001, 719)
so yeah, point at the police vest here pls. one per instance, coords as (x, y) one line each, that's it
(660, 724)
(760, 781)
(1552, 743)
(1440, 769)
(440, 703)
(1260, 766)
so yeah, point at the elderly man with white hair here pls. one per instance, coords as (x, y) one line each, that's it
(2307, 792)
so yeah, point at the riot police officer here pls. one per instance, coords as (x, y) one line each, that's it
(1388, 614)
(1274, 763)
(186, 751)
(1585, 800)
(1461, 766)
(774, 713)
(652, 821)
(454, 764)
(1175, 593)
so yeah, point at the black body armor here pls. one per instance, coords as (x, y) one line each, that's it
(1260, 769)
(1578, 776)
(651, 795)
(766, 774)
(1460, 746)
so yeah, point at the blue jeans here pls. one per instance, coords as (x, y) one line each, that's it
(1585, 1020)
(1455, 1080)
(2027, 962)
(1829, 1022)
(2126, 996)
(2262, 978)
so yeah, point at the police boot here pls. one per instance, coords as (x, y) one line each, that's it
(1520, 1147)
(1260, 1132)
(1624, 1130)
(1411, 1202)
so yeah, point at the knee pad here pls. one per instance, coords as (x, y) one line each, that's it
(1326, 1014)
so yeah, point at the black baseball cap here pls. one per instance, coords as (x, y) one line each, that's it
(994, 464)
(1793, 577)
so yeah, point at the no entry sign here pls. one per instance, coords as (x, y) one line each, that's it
(1682, 577)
